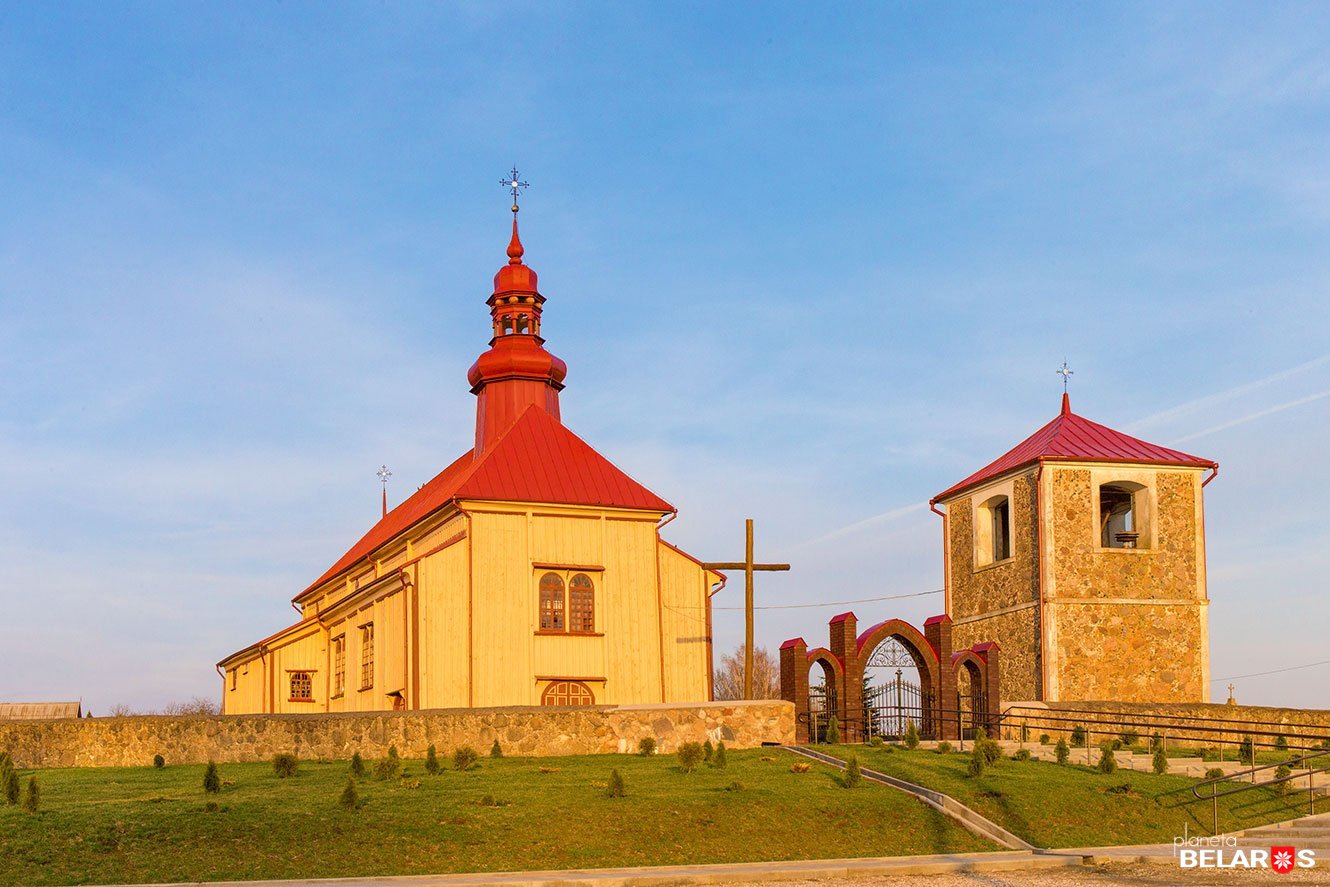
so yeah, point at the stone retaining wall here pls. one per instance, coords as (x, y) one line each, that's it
(1204, 721)
(521, 730)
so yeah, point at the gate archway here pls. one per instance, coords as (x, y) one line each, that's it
(887, 701)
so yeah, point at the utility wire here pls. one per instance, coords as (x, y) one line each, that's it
(862, 600)
(1273, 671)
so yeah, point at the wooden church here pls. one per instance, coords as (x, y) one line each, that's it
(530, 571)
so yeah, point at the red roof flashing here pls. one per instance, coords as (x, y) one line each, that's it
(1076, 439)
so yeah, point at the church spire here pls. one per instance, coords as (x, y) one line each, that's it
(516, 372)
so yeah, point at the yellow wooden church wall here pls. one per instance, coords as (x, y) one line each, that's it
(441, 580)
(684, 588)
(632, 623)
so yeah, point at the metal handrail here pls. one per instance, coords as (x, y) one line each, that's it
(1130, 719)
(1306, 773)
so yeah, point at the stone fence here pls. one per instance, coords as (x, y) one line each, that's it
(1181, 722)
(520, 730)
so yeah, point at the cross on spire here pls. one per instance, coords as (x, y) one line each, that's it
(1066, 373)
(383, 474)
(515, 185)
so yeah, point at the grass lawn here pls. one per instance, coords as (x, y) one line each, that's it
(1074, 805)
(142, 825)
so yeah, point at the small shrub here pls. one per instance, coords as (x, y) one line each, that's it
(735, 786)
(212, 782)
(357, 765)
(1214, 773)
(615, 789)
(911, 735)
(977, 762)
(1282, 772)
(1062, 751)
(1156, 743)
(646, 746)
(944, 747)
(1044, 739)
(496, 750)
(833, 732)
(800, 767)
(11, 787)
(852, 775)
(991, 751)
(392, 752)
(33, 798)
(1116, 744)
(1107, 763)
(285, 764)
(212, 807)
(876, 741)
(465, 758)
(1078, 736)
(388, 768)
(1021, 755)
(431, 760)
(1247, 751)
(1281, 742)
(690, 755)
(708, 750)
(718, 759)
(158, 761)
(350, 798)
(1130, 737)
(1159, 760)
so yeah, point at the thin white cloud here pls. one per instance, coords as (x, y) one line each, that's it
(1251, 417)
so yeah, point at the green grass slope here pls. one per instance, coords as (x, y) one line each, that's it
(145, 825)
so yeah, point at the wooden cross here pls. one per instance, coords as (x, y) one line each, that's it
(748, 567)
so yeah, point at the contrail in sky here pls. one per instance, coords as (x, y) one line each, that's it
(868, 521)
(1161, 416)
(1180, 409)
(1242, 420)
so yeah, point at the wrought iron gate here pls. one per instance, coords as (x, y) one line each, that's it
(889, 708)
(821, 706)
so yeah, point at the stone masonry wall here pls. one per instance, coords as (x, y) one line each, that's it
(1168, 717)
(1013, 582)
(524, 730)
(1125, 651)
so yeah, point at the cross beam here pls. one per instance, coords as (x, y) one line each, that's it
(749, 567)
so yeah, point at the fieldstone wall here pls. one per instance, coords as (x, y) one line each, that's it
(1011, 583)
(1125, 651)
(521, 730)
(1204, 720)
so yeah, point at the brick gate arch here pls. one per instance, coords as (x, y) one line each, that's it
(847, 654)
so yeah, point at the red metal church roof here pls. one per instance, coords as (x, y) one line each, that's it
(1074, 438)
(536, 460)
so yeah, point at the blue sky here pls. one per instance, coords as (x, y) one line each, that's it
(808, 266)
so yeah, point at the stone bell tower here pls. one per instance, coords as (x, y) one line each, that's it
(1082, 552)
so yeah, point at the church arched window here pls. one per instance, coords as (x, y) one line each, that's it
(302, 686)
(551, 602)
(581, 604)
(568, 693)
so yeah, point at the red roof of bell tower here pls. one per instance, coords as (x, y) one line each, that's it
(1073, 438)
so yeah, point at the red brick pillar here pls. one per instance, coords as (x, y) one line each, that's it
(946, 702)
(794, 683)
(990, 652)
(849, 695)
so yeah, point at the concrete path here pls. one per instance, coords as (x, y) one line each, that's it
(883, 867)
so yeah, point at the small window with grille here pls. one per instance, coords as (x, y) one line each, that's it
(302, 686)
